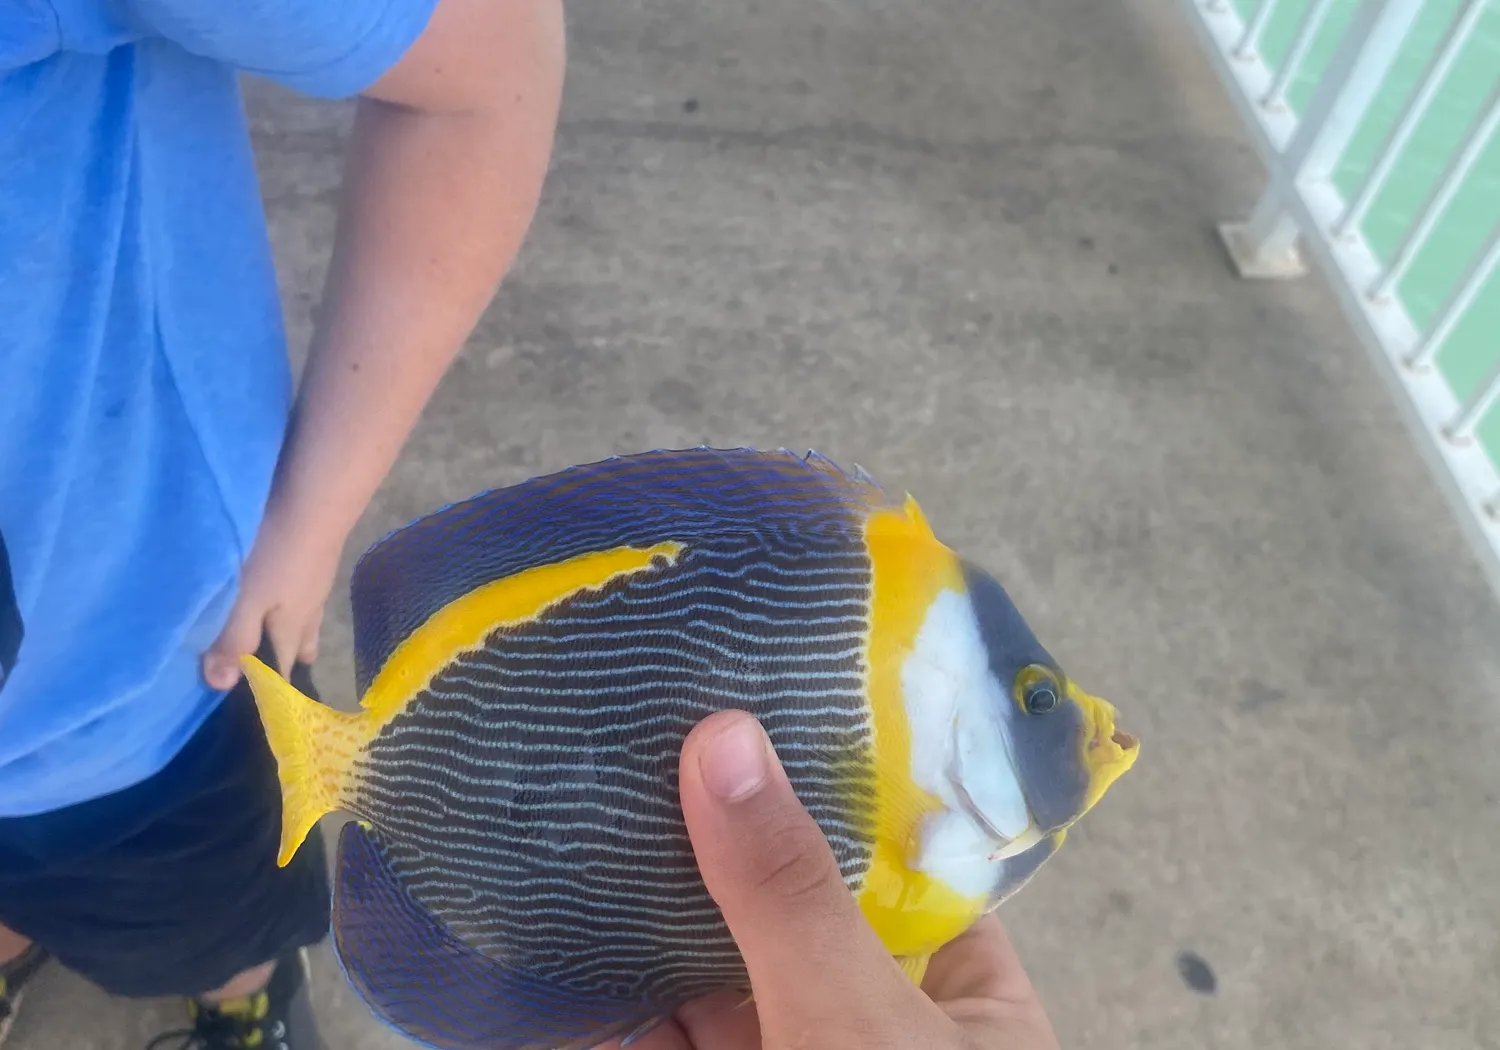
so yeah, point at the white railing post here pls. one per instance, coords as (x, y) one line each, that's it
(1249, 44)
(1432, 78)
(1476, 408)
(1452, 312)
(1475, 140)
(1264, 245)
(1307, 31)
(1303, 212)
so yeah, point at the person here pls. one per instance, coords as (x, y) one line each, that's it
(166, 504)
(818, 973)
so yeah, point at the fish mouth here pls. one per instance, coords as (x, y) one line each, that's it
(1108, 752)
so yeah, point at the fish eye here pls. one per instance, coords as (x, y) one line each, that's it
(1041, 698)
(1037, 690)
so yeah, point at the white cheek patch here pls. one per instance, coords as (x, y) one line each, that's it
(982, 766)
(952, 846)
(959, 750)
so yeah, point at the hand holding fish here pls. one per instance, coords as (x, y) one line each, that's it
(820, 975)
(283, 588)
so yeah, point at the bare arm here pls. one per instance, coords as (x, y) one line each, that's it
(444, 172)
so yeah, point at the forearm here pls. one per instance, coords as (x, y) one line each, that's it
(436, 203)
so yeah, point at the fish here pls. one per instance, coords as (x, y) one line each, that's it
(517, 874)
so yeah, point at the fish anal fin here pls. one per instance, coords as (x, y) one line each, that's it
(315, 747)
(419, 978)
(914, 966)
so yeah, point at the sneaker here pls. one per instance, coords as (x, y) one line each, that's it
(13, 978)
(278, 1018)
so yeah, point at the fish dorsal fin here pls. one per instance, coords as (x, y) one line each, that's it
(420, 979)
(627, 501)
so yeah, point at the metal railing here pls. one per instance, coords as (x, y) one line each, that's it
(1320, 203)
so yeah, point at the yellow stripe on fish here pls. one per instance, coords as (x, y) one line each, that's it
(914, 912)
(316, 784)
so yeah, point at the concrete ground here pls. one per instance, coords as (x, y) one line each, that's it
(970, 247)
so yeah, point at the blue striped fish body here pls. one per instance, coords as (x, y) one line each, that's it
(526, 798)
(521, 876)
(530, 662)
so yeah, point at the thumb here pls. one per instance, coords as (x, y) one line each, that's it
(774, 877)
(241, 634)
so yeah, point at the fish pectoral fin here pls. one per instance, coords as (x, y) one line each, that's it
(314, 746)
(914, 966)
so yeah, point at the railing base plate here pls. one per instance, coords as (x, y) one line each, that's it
(1260, 263)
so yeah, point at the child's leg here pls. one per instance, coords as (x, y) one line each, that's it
(12, 944)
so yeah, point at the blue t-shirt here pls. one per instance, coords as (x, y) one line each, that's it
(144, 382)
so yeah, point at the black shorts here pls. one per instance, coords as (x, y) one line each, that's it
(170, 887)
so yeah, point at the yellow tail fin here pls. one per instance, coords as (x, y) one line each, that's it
(315, 746)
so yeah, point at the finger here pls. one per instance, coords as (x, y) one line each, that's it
(775, 879)
(667, 1036)
(307, 652)
(722, 1021)
(979, 963)
(286, 631)
(993, 1026)
(241, 635)
(979, 981)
